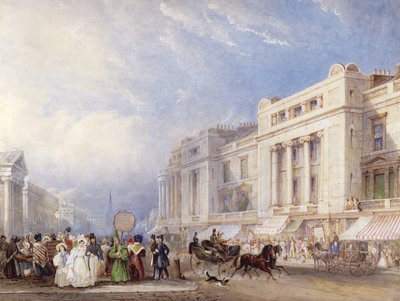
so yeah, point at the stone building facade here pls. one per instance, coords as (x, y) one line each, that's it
(320, 158)
(26, 207)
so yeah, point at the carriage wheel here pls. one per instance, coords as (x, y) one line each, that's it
(198, 266)
(225, 269)
(357, 265)
(370, 264)
(334, 265)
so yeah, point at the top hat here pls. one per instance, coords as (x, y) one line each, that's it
(138, 238)
(91, 236)
(153, 236)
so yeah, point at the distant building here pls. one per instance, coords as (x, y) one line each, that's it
(317, 161)
(74, 217)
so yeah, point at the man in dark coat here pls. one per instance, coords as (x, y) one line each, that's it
(12, 269)
(162, 260)
(154, 257)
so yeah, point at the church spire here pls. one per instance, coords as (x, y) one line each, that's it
(110, 211)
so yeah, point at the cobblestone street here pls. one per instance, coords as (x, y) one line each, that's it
(303, 283)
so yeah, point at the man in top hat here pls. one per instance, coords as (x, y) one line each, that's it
(119, 252)
(154, 257)
(162, 260)
(216, 243)
(95, 254)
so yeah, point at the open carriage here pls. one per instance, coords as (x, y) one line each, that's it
(354, 257)
(203, 257)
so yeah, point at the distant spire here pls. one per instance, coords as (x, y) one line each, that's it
(109, 211)
(110, 198)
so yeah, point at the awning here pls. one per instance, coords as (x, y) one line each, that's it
(381, 228)
(359, 225)
(157, 230)
(274, 225)
(229, 231)
(293, 226)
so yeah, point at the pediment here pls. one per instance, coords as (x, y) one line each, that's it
(374, 161)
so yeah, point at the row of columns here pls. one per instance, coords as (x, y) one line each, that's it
(273, 173)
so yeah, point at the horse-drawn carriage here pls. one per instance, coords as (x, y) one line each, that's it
(205, 257)
(353, 256)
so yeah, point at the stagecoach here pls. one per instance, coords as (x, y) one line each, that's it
(203, 257)
(354, 257)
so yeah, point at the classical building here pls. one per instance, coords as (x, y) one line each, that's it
(71, 216)
(40, 209)
(318, 161)
(25, 207)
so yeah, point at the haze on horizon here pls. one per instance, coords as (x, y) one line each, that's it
(97, 93)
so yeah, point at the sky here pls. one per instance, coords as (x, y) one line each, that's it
(97, 93)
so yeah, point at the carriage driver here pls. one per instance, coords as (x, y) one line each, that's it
(218, 243)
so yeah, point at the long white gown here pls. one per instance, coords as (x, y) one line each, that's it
(78, 270)
(60, 262)
(94, 268)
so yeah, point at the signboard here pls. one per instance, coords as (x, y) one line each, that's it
(319, 232)
(124, 221)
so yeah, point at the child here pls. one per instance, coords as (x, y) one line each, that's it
(60, 261)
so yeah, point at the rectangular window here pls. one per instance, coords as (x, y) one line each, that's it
(378, 136)
(295, 155)
(313, 104)
(194, 151)
(226, 171)
(282, 115)
(244, 166)
(379, 186)
(297, 111)
(378, 132)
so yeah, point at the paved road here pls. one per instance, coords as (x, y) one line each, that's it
(303, 283)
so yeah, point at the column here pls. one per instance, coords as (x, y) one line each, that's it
(268, 180)
(167, 207)
(162, 199)
(25, 213)
(159, 200)
(7, 206)
(320, 134)
(274, 175)
(386, 177)
(306, 170)
(289, 172)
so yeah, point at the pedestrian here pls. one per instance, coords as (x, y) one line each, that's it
(60, 262)
(136, 252)
(26, 263)
(95, 255)
(119, 252)
(154, 257)
(41, 260)
(162, 260)
(12, 269)
(78, 269)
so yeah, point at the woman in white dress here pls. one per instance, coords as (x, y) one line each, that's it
(383, 261)
(78, 269)
(60, 262)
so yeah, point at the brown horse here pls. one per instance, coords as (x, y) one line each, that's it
(255, 261)
(272, 260)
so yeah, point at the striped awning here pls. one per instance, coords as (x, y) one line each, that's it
(381, 228)
(228, 231)
(293, 226)
(274, 225)
(357, 227)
